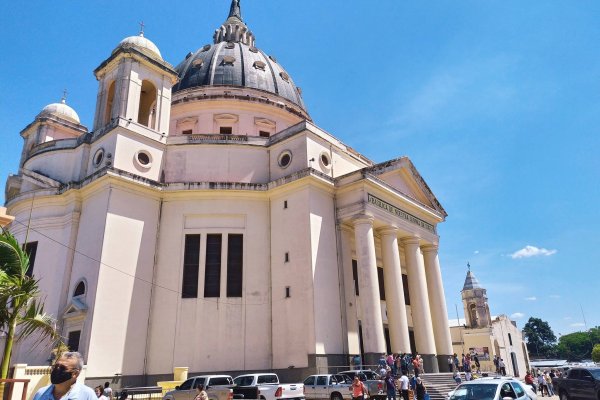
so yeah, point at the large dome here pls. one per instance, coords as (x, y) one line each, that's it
(61, 110)
(233, 60)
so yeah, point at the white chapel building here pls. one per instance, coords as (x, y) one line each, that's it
(205, 221)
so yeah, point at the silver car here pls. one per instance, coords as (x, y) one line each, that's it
(492, 389)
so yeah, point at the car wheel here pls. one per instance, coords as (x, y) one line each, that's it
(564, 396)
(336, 396)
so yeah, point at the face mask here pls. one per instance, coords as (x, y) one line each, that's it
(60, 375)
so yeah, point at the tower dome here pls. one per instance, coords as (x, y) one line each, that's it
(61, 110)
(234, 60)
(141, 43)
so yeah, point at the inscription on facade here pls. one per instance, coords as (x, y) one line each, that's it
(399, 213)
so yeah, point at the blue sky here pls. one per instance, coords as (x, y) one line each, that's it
(497, 103)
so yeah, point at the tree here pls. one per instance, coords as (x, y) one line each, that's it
(596, 353)
(539, 336)
(575, 346)
(21, 311)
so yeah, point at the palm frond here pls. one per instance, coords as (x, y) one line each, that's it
(35, 320)
(13, 259)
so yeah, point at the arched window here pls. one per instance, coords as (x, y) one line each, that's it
(147, 104)
(473, 312)
(110, 97)
(79, 289)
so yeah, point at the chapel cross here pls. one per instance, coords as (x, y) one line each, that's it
(142, 28)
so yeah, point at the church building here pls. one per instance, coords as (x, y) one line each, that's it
(486, 336)
(206, 221)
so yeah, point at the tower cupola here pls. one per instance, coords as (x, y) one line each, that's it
(475, 302)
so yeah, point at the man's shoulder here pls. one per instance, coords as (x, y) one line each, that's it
(43, 393)
(85, 392)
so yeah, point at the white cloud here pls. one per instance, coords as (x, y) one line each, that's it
(517, 315)
(577, 325)
(532, 251)
(567, 318)
(554, 296)
(532, 298)
(476, 252)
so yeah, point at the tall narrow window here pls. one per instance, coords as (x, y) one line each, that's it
(212, 269)
(355, 276)
(235, 264)
(73, 340)
(110, 96)
(147, 104)
(191, 266)
(381, 283)
(405, 287)
(31, 250)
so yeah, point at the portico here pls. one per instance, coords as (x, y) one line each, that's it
(393, 235)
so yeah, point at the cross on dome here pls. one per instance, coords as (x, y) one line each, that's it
(64, 97)
(142, 28)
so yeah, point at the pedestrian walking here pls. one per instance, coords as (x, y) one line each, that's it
(358, 389)
(404, 386)
(107, 391)
(420, 390)
(502, 367)
(100, 392)
(390, 386)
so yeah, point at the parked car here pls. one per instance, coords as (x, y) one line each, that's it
(327, 386)
(373, 382)
(492, 389)
(578, 383)
(270, 388)
(217, 387)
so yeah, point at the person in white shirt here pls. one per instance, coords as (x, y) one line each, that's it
(404, 384)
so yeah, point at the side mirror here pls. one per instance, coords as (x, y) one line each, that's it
(177, 387)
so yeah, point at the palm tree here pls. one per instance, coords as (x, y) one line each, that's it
(21, 310)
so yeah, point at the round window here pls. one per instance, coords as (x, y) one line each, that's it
(98, 157)
(285, 159)
(143, 159)
(325, 160)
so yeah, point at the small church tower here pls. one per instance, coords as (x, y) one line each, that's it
(475, 303)
(135, 84)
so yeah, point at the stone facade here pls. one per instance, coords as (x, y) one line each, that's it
(215, 226)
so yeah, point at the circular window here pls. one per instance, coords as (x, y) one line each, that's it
(285, 159)
(143, 159)
(98, 157)
(79, 289)
(325, 160)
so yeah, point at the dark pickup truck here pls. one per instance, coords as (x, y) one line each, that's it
(578, 383)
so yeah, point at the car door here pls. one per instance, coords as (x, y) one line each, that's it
(186, 390)
(321, 387)
(519, 391)
(587, 390)
(309, 387)
(507, 391)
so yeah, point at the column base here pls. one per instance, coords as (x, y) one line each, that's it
(430, 363)
(443, 363)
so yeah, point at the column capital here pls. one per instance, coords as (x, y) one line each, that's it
(388, 231)
(430, 248)
(411, 240)
(361, 219)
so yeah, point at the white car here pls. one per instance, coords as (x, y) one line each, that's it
(493, 389)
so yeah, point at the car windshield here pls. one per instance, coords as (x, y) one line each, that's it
(595, 373)
(370, 375)
(475, 392)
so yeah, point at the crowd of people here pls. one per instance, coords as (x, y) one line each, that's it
(541, 381)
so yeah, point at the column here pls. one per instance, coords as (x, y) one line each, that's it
(394, 291)
(437, 304)
(368, 285)
(419, 303)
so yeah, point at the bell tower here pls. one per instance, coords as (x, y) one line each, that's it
(135, 84)
(475, 302)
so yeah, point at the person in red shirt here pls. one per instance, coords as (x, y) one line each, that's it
(358, 389)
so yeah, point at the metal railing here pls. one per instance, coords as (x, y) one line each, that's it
(11, 386)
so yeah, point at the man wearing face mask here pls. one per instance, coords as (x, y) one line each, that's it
(64, 385)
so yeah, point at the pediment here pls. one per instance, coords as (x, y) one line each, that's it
(401, 175)
(77, 307)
